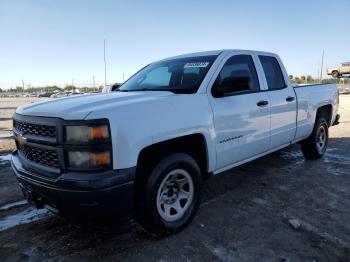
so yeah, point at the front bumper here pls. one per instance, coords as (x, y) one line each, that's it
(79, 195)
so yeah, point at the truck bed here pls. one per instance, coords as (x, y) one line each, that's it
(309, 98)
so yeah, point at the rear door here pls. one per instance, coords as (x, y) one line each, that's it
(241, 117)
(282, 102)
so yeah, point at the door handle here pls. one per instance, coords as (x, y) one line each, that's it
(290, 98)
(262, 103)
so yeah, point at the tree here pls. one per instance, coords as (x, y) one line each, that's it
(309, 79)
(19, 89)
(69, 88)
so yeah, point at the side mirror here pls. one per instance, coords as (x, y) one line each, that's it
(115, 87)
(218, 89)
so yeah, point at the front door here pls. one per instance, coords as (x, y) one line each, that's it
(241, 116)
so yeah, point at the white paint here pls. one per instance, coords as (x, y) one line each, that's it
(27, 216)
(14, 204)
(234, 128)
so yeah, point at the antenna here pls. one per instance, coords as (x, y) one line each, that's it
(104, 58)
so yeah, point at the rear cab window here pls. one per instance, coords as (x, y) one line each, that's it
(273, 73)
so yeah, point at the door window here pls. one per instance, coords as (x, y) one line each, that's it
(238, 75)
(273, 72)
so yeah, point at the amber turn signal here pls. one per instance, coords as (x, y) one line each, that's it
(99, 132)
(100, 158)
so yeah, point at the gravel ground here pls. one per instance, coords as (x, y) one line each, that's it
(277, 208)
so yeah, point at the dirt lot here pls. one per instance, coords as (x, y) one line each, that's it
(244, 215)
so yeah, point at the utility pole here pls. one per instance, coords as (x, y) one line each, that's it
(104, 58)
(123, 77)
(321, 66)
(93, 80)
(23, 84)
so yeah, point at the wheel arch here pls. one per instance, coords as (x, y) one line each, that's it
(326, 112)
(194, 145)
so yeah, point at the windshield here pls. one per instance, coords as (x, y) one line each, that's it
(182, 75)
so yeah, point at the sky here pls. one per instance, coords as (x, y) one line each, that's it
(60, 42)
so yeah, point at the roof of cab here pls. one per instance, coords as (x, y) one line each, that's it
(216, 52)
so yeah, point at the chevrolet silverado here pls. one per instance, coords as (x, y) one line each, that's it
(144, 149)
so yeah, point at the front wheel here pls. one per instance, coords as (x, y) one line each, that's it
(315, 146)
(171, 195)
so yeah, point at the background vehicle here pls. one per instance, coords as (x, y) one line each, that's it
(145, 149)
(60, 94)
(336, 72)
(47, 94)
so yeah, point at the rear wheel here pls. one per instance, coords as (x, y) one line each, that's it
(315, 146)
(171, 195)
(335, 74)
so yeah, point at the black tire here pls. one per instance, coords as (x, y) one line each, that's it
(147, 214)
(310, 147)
(335, 74)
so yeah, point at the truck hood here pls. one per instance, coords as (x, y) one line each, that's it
(80, 106)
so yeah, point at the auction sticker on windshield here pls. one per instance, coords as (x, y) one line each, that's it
(196, 64)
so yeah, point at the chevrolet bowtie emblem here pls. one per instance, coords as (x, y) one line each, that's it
(21, 139)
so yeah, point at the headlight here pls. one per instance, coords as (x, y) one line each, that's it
(86, 133)
(87, 159)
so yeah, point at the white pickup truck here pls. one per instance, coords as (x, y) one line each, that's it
(144, 149)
